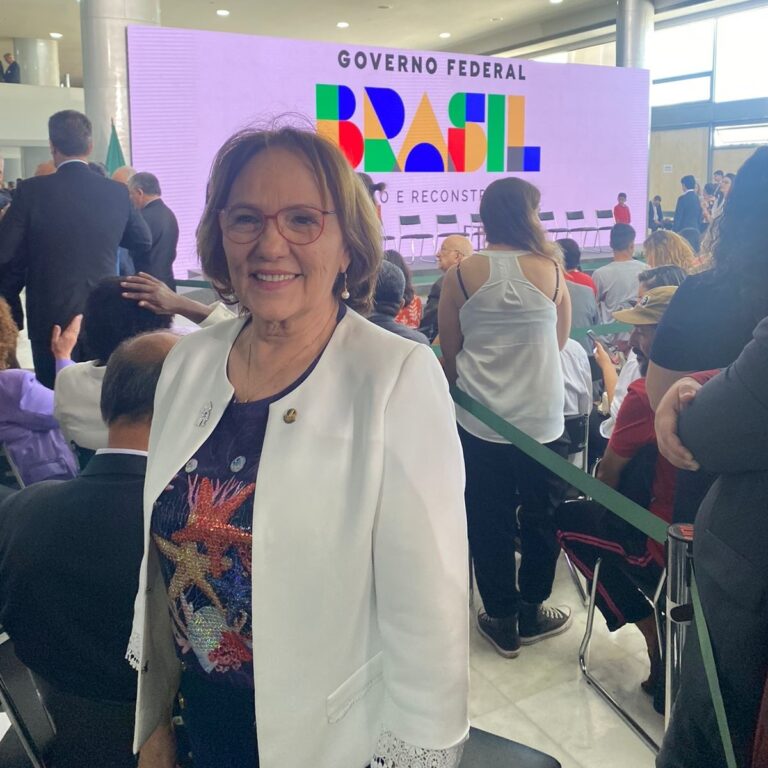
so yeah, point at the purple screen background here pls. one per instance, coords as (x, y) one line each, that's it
(191, 89)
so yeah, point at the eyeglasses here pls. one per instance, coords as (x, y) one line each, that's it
(299, 224)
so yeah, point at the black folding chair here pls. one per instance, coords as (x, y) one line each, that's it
(486, 750)
(32, 732)
(548, 217)
(578, 217)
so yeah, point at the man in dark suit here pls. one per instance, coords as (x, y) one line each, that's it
(144, 189)
(688, 210)
(655, 214)
(65, 229)
(12, 73)
(70, 554)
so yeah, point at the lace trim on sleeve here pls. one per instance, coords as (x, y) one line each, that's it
(392, 752)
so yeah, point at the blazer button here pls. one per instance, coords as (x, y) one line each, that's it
(290, 416)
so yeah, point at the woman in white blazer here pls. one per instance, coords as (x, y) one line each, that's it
(315, 613)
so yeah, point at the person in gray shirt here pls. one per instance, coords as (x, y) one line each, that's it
(617, 281)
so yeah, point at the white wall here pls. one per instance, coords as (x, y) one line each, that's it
(25, 110)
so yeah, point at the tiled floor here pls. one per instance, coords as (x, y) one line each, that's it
(541, 700)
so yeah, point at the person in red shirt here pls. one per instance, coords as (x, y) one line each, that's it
(633, 465)
(621, 212)
(572, 258)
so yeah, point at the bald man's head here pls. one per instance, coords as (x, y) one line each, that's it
(133, 370)
(123, 174)
(45, 169)
(453, 250)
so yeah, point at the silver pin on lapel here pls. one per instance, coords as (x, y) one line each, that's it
(205, 414)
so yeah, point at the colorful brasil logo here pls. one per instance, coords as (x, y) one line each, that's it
(468, 147)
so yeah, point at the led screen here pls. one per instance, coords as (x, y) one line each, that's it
(437, 128)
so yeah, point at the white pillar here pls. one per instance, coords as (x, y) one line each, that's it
(105, 65)
(38, 61)
(634, 33)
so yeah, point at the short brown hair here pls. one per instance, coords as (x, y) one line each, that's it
(509, 210)
(70, 132)
(359, 224)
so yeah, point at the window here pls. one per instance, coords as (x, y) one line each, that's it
(741, 56)
(681, 91)
(685, 49)
(740, 135)
(561, 57)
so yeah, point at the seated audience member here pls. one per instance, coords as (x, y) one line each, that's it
(584, 313)
(631, 464)
(411, 312)
(617, 282)
(572, 258)
(69, 571)
(657, 277)
(663, 248)
(577, 376)
(108, 320)
(28, 431)
(621, 212)
(145, 193)
(453, 249)
(722, 427)
(388, 301)
(655, 214)
(688, 211)
(723, 192)
(708, 199)
(99, 168)
(693, 238)
(44, 169)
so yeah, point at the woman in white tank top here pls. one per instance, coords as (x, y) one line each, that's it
(504, 315)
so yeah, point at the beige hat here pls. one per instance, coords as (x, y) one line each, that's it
(649, 309)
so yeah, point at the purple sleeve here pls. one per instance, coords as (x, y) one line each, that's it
(62, 364)
(36, 405)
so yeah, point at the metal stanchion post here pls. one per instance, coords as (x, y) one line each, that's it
(679, 613)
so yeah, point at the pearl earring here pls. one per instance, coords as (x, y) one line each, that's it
(345, 290)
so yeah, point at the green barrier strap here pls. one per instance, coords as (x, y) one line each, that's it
(612, 500)
(579, 334)
(708, 657)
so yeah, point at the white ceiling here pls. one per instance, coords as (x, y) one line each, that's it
(406, 24)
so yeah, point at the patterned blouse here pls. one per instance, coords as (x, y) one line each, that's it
(411, 315)
(202, 528)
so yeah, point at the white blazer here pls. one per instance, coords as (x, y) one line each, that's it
(360, 620)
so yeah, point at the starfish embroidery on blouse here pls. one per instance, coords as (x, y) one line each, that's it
(191, 569)
(210, 511)
(235, 589)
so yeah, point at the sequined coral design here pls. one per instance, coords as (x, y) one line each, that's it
(207, 560)
(211, 506)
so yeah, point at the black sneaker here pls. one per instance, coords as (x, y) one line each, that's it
(539, 621)
(500, 633)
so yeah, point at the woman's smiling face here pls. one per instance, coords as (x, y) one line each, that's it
(277, 280)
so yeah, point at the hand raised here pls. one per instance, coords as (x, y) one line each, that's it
(63, 342)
